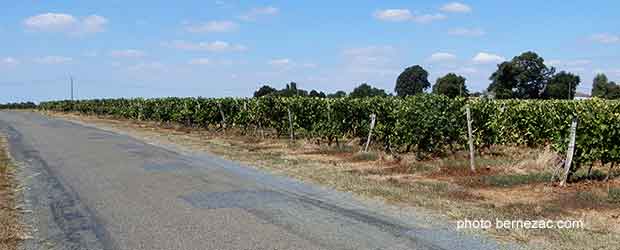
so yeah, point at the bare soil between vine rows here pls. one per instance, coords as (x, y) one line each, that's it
(510, 182)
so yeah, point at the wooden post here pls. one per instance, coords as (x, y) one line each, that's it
(472, 165)
(219, 105)
(373, 118)
(262, 132)
(570, 151)
(611, 168)
(290, 125)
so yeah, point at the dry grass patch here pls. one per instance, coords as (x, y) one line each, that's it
(11, 231)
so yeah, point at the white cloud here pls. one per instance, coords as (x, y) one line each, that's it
(216, 46)
(92, 24)
(441, 57)
(50, 22)
(212, 26)
(280, 62)
(255, 13)
(467, 32)
(53, 60)
(200, 61)
(402, 15)
(456, 7)
(128, 53)
(486, 58)
(605, 38)
(393, 15)
(60, 22)
(8, 61)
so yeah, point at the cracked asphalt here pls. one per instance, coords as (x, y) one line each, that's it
(93, 189)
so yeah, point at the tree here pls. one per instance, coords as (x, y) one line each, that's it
(503, 81)
(563, 85)
(599, 86)
(264, 90)
(413, 80)
(337, 94)
(613, 91)
(524, 77)
(315, 93)
(292, 90)
(451, 85)
(603, 88)
(365, 90)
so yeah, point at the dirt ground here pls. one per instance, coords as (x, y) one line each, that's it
(11, 231)
(510, 182)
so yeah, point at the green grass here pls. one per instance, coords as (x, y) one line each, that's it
(614, 195)
(365, 156)
(514, 180)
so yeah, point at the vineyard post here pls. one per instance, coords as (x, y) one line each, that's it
(290, 124)
(570, 151)
(471, 139)
(219, 105)
(260, 124)
(373, 118)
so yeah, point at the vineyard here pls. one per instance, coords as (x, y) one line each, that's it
(21, 105)
(425, 124)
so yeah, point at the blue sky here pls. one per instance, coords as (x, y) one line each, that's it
(216, 48)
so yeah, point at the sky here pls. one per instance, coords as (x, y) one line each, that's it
(139, 48)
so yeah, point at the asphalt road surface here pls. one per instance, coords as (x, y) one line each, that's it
(93, 189)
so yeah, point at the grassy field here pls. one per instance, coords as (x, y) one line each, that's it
(11, 232)
(511, 182)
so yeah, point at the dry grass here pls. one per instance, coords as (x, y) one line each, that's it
(11, 232)
(511, 182)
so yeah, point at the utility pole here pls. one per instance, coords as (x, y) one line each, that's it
(71, 77)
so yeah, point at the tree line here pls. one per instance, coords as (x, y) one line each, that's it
(525, 76)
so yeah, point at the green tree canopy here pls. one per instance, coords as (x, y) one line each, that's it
(365, 90)
(562, 86)
(451, 85)
(315, 93)
(613, 91)
(413, 80)
(603, 88)
(524, 77)
(264, 90)
(599, 86)
(337, 94)
(292, 90)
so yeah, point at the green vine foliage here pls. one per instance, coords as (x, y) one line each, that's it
(427, 124)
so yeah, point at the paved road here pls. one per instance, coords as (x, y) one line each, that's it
(93, 189)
